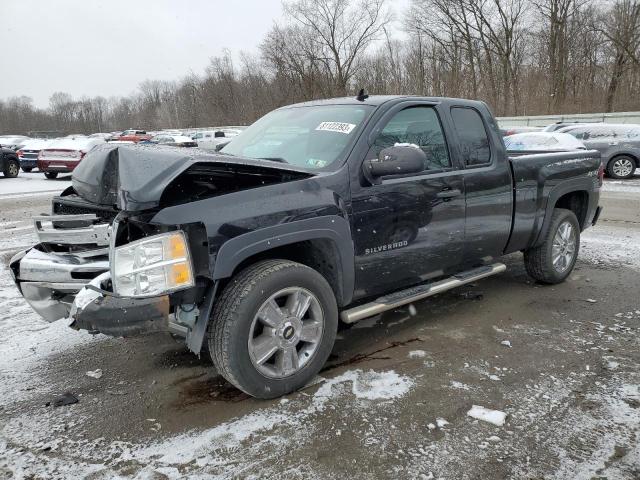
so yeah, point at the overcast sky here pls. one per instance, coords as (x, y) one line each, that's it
(97, 47)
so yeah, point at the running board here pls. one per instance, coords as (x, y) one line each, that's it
(413, 294)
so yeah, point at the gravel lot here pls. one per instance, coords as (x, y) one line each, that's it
(561, 362)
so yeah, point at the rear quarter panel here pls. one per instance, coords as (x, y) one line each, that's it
(539, 180)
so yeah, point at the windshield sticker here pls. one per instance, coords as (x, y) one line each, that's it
(337, 127)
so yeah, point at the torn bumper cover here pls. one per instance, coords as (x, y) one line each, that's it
(99, 310)
(55, 286)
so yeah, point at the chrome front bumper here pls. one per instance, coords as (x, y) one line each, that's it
(73, 250)
(66, 275)
(50, 281)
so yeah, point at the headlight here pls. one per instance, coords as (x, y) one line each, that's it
(152, 266)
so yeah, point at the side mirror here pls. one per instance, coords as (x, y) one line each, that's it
(398, 160)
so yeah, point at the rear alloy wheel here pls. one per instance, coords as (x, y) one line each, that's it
(621, 167)
(51, 175)
(553, 260)
(273, 328)
(11, 169)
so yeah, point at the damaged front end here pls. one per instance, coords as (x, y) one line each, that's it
(68, 274)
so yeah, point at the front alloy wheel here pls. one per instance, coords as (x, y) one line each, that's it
(286, 332)
(273, 327)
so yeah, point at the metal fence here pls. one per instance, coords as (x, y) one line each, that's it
(543, 120)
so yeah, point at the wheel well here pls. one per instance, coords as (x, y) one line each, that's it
(320, 254)
(577, 202)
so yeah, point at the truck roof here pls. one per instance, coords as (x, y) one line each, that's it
(377, 100)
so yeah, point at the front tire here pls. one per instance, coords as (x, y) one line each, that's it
(621, 167)
(553, 261)
(273, 328)
(11, 168)
(51, 175)
(27, 169)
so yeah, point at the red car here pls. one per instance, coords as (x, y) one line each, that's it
(133, 135)
(63, 155)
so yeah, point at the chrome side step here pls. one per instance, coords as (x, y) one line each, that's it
(413, 294)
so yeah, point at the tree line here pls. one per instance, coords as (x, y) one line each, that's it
(522, 57)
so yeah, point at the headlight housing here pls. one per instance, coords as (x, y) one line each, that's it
(152, 266)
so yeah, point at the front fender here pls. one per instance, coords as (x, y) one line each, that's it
(332, 227)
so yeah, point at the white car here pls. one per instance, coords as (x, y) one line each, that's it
(105, 136)
(173, 140)
(541, 142)
(63, 155)
(210, 139)
(28, 153)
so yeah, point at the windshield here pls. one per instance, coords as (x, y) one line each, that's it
(314, 137)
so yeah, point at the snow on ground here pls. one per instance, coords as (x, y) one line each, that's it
(624, 186)
(26, 342)
(31, 183)
(281, 426)
(611, 244)
(495, 417)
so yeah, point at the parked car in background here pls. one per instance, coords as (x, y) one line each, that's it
(558, 125)
(170, 132)
(212, 139)
(63, 155)
(104, 136)
(14, 142)
(9, 163)
(541, 142)
(619, 145)
(506, 131)
(28, 154)
(134, 135)
(173, 140)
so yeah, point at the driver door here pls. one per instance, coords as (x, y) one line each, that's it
(408, 229)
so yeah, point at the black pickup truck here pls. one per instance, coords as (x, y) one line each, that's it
(319, 212)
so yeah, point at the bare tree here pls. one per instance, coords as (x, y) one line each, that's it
(342, 31)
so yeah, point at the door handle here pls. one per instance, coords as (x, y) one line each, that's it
(449, 193)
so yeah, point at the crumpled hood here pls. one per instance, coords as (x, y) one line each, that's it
(133, 177)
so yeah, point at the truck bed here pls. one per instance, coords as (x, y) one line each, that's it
(541, 177)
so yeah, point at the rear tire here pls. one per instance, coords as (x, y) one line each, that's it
(621, 167)
(27, 169)
(265, 351)
(51, 175)
(553, 261)
(11, 168)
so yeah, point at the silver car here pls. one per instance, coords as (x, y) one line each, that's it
(619, 145)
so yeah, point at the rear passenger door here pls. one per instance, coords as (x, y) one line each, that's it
(487, 185)
(407, 229)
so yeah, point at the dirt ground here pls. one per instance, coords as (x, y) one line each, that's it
(561, 362)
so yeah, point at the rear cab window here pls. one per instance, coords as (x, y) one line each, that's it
(472, 137)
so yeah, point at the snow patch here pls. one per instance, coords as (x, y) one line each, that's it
(495, 417)
(417, 354)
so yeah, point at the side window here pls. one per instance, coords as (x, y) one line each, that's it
(474, 142)
(418, 126)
